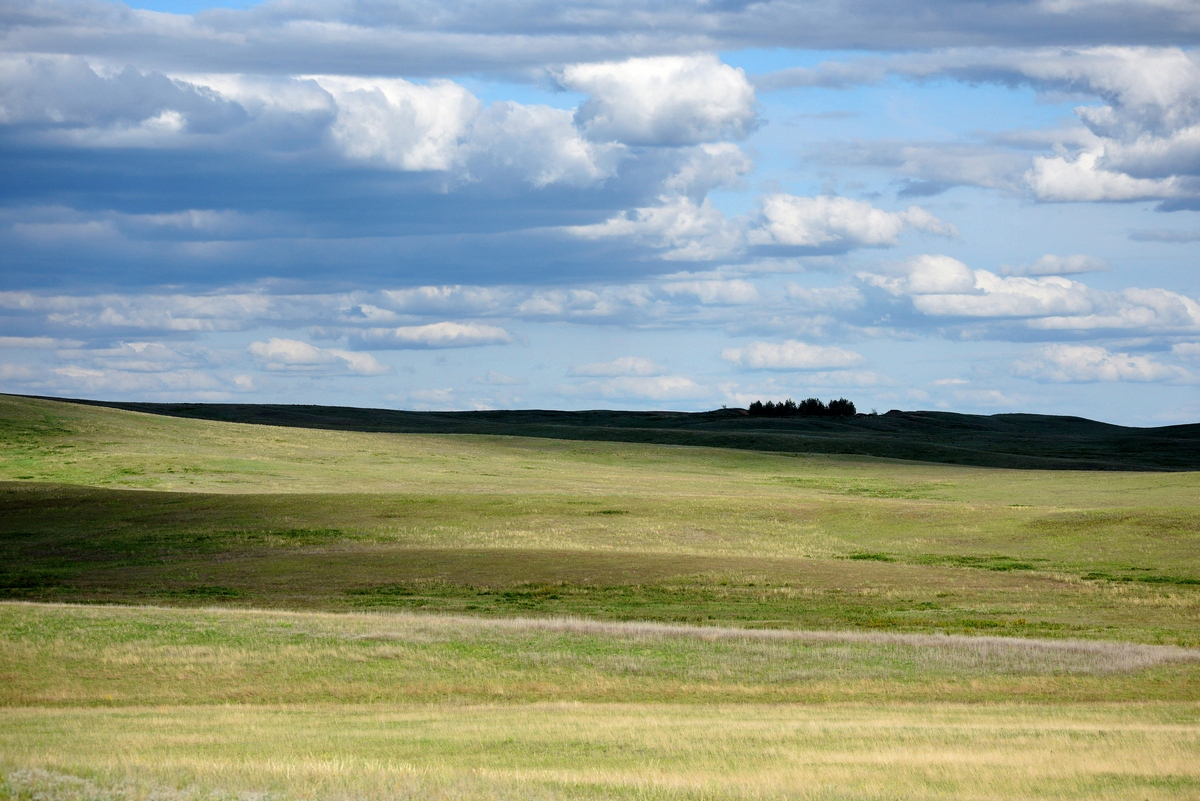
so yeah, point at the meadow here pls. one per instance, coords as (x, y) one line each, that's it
(209, 609)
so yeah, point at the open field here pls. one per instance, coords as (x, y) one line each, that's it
(348, 614)
(123, 702)
(638, 751)
(105, 505)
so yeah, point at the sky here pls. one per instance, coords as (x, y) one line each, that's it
(983, 207)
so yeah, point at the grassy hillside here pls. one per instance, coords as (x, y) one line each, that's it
(101, 504)
(315, 613)
(1005, 440)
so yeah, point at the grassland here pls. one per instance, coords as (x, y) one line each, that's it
(346, 614)
(1025, 441)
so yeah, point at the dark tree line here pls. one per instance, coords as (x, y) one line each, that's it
(812, 407)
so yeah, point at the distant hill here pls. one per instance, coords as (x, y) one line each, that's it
(1028, 441)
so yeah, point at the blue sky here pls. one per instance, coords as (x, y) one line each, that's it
(607, 203)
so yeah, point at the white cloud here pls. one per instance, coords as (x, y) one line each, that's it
(450, 299)
(1058, 265)
(790, 355)
(707, 167)
(294, 355)
(945, 287)
(1187, 350)
(666, 100)
(1090, 363)
(1082, 178)
(624, 366)
(927, 274)
(144, 357)
(436, 335)
(1143, 142)
(686, 230)
(401, 124)
(1152, 310)
(827, 221)
(539, 144)
(1010, 297)
(217, 312)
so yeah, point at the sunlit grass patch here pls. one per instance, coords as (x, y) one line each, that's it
(656, 751)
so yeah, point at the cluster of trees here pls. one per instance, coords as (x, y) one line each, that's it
(812, 407)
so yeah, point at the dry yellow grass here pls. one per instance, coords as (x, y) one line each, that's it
(608, 751)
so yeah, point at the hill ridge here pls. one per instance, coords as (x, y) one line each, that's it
(1014, 440)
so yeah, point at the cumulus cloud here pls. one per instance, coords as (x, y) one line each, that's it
(1084, 178)
(438, 126)
(837, 222)
(538, 144)
(624, 366)
(1142, 142)
(435, 335)
(706, 167)
(685, 230)
(405, 125)
(942, 286)
(667, 100)
(286, 355)
(1090, 363)
(790, 355)
(689, 231)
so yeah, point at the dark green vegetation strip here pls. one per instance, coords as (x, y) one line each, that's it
(1003, 440)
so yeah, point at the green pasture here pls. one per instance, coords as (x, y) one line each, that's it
(203, 610)
(107, 505)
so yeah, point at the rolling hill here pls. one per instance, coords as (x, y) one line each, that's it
(1023, 441)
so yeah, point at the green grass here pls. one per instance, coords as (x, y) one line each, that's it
(115, 702)
(136, 508)
(330, 614)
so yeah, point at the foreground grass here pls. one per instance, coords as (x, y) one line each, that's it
(658, 751)
(108, 702)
